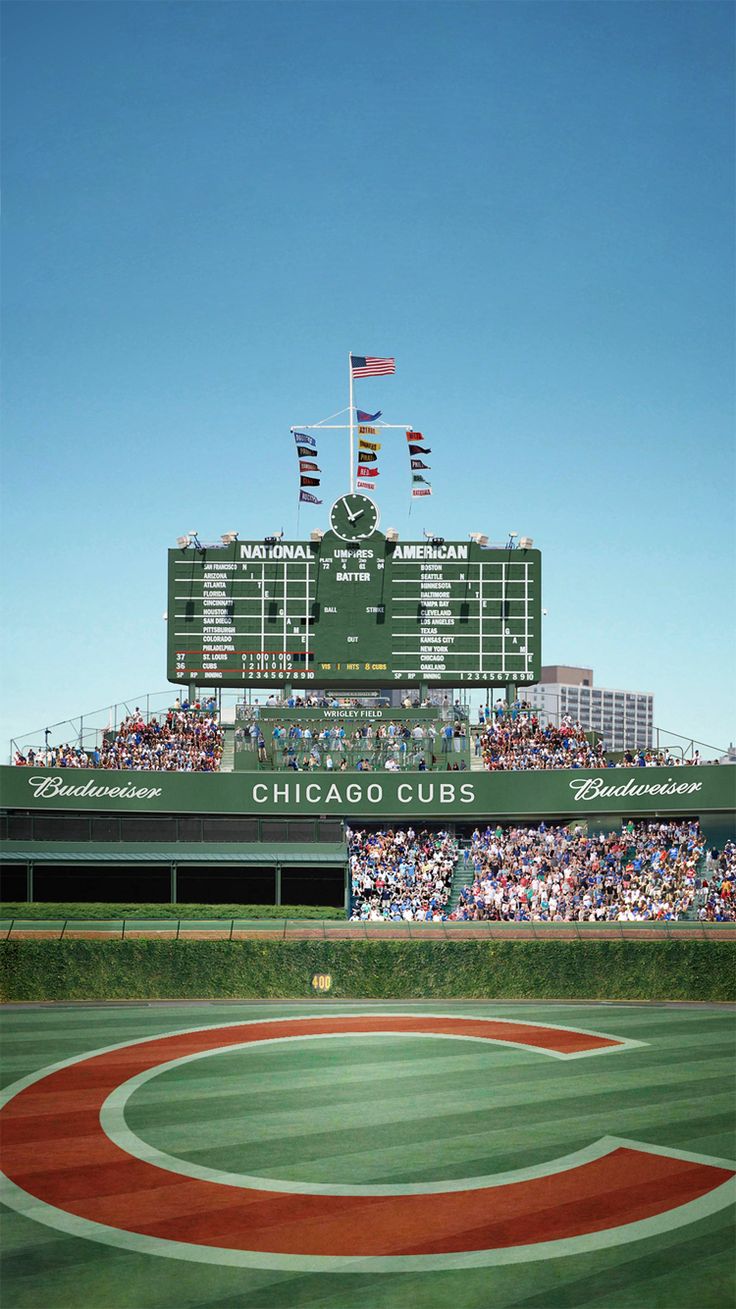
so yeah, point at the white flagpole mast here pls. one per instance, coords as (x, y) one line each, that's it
(352, 411)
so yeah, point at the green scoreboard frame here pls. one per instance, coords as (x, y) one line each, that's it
(374, 612)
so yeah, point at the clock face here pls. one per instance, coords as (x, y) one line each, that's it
(354, 517)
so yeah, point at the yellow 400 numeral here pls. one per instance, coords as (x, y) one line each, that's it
(321, 982)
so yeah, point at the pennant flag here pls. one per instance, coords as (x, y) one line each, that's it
(367, 456)
(369, 445)
(302, 438)
(367, 486)
(367, 472)
(415, 463)
(417, 477)
(369, 431)
(306, 497)
(413, 436)
(371, 366)
(368, 418)
(306, 466)
(420, 450)
(428, 491)
(304, 452)
(309, 481)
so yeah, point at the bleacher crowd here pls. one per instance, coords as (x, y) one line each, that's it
(400, 875)
(188, 739)
(364, 746)
(521, 742)
(716, 898)
(517, 739)
(647, 871)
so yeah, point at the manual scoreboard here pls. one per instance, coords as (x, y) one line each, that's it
(363, 612)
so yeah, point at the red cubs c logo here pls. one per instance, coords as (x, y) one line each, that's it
(124, 1193)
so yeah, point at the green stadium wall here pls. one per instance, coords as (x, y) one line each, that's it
(411, 796)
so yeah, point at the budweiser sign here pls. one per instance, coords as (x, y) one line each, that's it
(595, 788)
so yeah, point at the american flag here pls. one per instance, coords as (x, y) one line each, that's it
(370, 366)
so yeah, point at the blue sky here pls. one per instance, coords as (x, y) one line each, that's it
(530, 205)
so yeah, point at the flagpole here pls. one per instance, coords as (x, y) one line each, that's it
(352, 411)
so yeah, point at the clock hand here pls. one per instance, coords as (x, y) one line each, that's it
(354, 516)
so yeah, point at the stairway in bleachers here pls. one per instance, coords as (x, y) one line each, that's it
(462, 876)
(227, 763)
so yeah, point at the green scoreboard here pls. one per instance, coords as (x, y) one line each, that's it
(354, 609)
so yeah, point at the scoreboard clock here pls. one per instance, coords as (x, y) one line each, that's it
(354, 517)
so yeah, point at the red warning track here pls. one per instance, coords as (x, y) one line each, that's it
(55, 1149)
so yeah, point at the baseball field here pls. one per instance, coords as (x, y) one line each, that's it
(331, 1154)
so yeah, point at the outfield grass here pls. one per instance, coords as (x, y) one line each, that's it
(395, 1110)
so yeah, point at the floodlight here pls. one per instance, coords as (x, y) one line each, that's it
(480, 538)
(183, 541)
(434, 540)
(525, 542)
(276, 536)
(228, 538)
(392, 534)
(316, 535)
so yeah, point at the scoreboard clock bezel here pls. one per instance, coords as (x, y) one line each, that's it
(345, 513)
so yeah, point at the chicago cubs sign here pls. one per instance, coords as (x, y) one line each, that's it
(72, 1163)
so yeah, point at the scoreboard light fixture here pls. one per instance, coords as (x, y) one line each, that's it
(480, 538)
(182, 541)
(434, 540)
(228, 538)
(392, 534)
(510, 543)
(526, 542)
(316, 536)
(272, 540)
(192, 538)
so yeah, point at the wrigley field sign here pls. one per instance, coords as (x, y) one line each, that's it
(409, 796)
